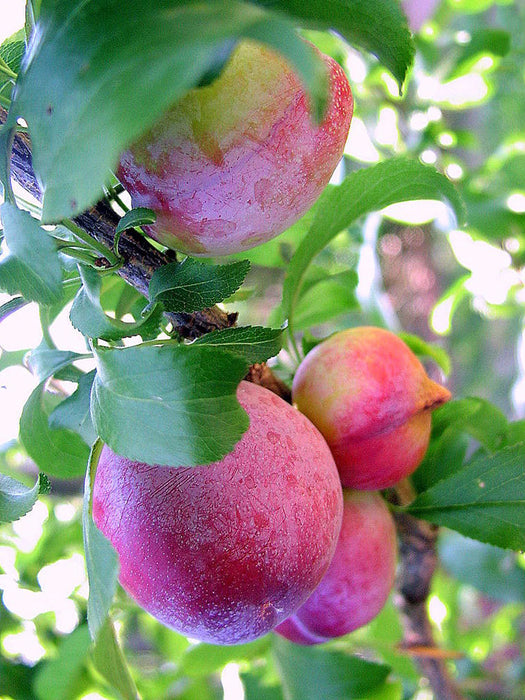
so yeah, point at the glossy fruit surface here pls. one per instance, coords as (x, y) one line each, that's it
(234, 163)
(371, 398)
(358, 581)
(224, 552)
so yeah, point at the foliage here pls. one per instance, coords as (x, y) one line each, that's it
(90, 77)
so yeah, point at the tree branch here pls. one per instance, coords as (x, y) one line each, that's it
(417, 538)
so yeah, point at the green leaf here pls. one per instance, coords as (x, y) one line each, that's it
(378, 26)
(136, 217)
(44, 361)
(308, 673)
(370, 189)
(62, 677)
(485, 500)
(204, 659)
(482, 42)
(16, 499)
(491, 570)
(11, 358)
(192, 286)
(253, 343)
(12, 50)
(32, 267)
(111, 664)
(172, 405)
(74, 412)
(98, 77)
(423, 349)
(9, 307)
(101, 558)
(88, 317)
(329, 297)
(61, 453)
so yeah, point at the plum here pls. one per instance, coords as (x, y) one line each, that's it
(236, 162)
(358, 581)
(226, 551)
(371, 398)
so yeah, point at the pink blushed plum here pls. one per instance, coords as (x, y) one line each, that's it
(234, 163)
(225, 552)
(371, 398)
(358, 581)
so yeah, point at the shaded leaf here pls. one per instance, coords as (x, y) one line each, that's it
(59, 452)
(61, 678)
(136, 217)
(88, 316)
(31, 267)
(101, 558)
(309, 673)
(74, 412)
(111, 664)
(16, 499)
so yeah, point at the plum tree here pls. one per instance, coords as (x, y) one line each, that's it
(371, 398)
(234, 163)
(359, 578)
(224, 552)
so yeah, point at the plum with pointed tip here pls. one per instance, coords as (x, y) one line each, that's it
(371, 398)
(236, 162)
(225, 552)
(359, 579)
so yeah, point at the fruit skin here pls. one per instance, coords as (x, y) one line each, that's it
(358, 581)
(237, 162)
(224, 552)
(372, 400)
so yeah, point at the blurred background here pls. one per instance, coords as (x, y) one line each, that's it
(408, 268)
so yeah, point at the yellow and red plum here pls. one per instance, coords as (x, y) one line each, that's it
(234, 163)
(358, 581)
(225, 552)
(371, 398)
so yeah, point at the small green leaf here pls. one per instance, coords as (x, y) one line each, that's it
(101, 558)
(32, 267)
(87, 314)
(485, 500)
(140, 216)
(16, 499)
(204, 659)
(11, 358)
(192, 286)
(74, 412)
(369, 189)
(327, 298)
(308, 673)
(111, 664)
(86, 95)
(168, 404)
(253, 343)
(68, 666)
(493, 571)
(424, 349)
(44, 361)
(59, 452)
(11, 306)
(378, 26)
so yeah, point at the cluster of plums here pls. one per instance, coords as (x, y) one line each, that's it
(288, 531)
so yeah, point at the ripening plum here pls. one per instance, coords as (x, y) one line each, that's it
(225, 552)
(358, 581)
(236, 162)
(371, 398)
